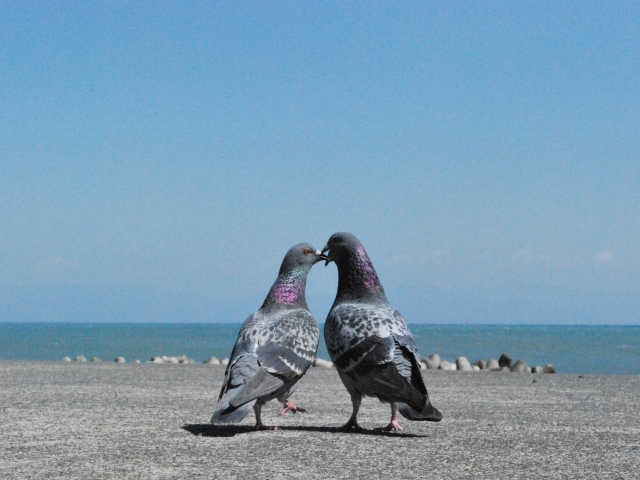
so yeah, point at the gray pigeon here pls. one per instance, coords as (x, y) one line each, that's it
(369, 341)
(275, 347)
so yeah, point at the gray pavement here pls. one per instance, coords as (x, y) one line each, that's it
(68, 420)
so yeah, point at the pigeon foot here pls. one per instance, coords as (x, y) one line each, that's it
(290, 407)
(350, 425)
(393, 426)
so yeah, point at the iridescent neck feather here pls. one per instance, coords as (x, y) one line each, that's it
(289, 288)
(357, 279)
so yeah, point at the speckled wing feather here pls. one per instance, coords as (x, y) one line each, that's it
(365, 334)
(373, 346)
(282, 345)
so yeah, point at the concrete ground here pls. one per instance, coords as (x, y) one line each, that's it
(69, 420)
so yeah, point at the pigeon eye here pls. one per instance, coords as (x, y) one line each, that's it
(307, 251)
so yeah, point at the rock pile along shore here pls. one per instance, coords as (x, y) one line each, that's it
(433, 362)
(503, 364)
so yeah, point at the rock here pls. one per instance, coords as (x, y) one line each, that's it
(172, 360)
(81, 358)
(481, 364)
(453, 366)
(423, 366)
(212, 361)
(431, 364)
(66, 359)
(475, 368)
(120, 360)
(537, 369)
(183, 359)
(548, 369)
(318, 362)
(224, 361)
(136, 361)
(157, 360)
(505, 369)
(96, 359)
(444, 365)
(434, 357)
(463, 364)
(505, 360)
(528, 369)
(492, 364)
(519, 367)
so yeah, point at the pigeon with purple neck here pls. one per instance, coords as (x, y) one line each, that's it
(369, 341)
(275, 347)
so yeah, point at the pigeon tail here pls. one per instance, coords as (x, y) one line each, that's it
(226, 413)
(428, 413)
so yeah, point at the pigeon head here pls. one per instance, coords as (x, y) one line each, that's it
(289, 288)
(301, 257)
(357, 279)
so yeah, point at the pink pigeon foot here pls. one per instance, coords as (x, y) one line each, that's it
(393, 426)
(290, 407)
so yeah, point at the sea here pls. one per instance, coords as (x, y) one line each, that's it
(576, 349)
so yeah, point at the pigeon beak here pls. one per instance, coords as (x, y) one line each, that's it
(321, 256)
(327, 258)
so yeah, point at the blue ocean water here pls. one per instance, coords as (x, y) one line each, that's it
(571, 349)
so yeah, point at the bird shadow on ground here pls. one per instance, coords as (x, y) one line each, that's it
(207, 430)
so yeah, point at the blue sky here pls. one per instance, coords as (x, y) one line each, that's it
(487, 154)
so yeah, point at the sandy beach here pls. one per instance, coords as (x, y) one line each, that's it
(69, 420)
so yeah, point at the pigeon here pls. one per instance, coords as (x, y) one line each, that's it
(275, 347)
(369, 341)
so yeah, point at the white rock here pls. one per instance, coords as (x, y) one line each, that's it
(81, 358)
(481, 364)
(319, 362)
(432, 363)
(120, 360)
(519, 367)
(212, 361)
(453, 366)
(96, 359)
(537, 369)
(475, 368)
(444, 365)
(492, 364)
(423, 366)
(434, 357)
(157, 360)
(224, 361)
(172, 360)
(183, 359)
(463, 364)
(136, 361)
(66, 359)
(548, 369)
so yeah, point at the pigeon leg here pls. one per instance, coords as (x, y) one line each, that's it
(353, 423)
(290, 407)
(393, 426)
(259, 426)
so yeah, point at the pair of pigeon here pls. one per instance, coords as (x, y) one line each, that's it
(367, 339)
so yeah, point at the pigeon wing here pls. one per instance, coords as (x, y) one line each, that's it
(373, 345)
(291, 344)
